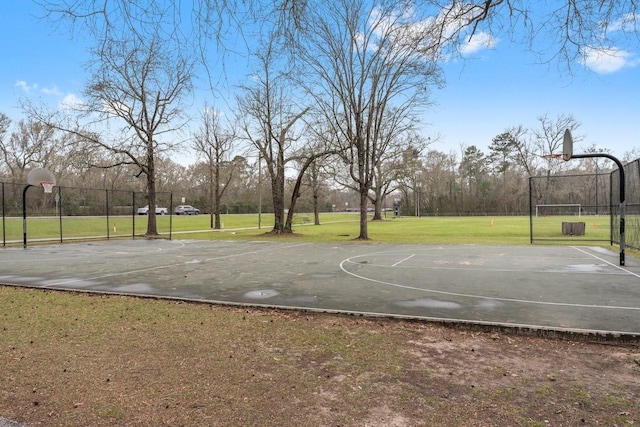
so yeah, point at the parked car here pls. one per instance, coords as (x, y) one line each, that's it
(186, 210)
(159, 211)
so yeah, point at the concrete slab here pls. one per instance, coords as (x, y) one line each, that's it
(549, 288)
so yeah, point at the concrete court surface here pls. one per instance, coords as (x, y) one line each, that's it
(579, 290)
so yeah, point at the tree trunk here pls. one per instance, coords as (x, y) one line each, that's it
(363, 213)
(212, 194)
(277, 191)
(218, 221)
(316, 206)
(216, 197)
(294, 198)
(377, 205)
(152, 227)
(315, 188)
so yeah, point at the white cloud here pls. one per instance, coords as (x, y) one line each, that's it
(51, 91)
(627, 23)
(607, 60)
(70, 102)
(27, 88)
(477, 42)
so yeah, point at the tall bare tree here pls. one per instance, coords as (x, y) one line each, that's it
(440, 184)
(549, 136)
(367, 63)
(214, 142)
(524, 153)
(391, 165)
(268, 121)
(32, 144)
(141, 72)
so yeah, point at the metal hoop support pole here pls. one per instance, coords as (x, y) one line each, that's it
(622, 195)
(24, 216)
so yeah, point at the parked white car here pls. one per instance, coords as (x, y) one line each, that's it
(159, 211)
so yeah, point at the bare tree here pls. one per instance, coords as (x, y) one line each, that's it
(549, 136)
(390, 165)
(31, 144)
(566, 33)
(141, 72)
(439, 191)
(268, 121)
(214, 143)
(523, 150)
(410, 175)
(632, 154)
(315, 181)
(133, 109)
(367, 64)
(5, 123)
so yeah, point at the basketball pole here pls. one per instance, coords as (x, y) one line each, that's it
(43, 178)
(622, 195)
(567, 154)
(24, 216)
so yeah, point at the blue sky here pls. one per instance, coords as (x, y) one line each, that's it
(498, 86)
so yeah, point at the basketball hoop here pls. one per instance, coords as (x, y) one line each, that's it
(47, 186)
(42, 178)
(38, 177)
(567, 146)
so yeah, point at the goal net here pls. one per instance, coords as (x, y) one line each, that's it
(564, 209)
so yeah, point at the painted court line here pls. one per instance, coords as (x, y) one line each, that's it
(605, 261)
(459, 294)
(403, 260)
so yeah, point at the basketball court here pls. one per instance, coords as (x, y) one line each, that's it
(567, 289)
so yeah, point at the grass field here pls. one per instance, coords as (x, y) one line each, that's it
(333, 227)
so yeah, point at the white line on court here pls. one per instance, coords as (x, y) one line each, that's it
(458, 268)
(403, 260)
(457, 294)
(605, 261)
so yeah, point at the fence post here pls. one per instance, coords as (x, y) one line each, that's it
(106, 202)
(611, 208)
(24, 216)
(530, 210)
(4, 229)
(59, 194)
(133, 214)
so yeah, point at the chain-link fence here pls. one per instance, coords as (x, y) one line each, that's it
(590, 199)
(69, 213)
(570, 207)
(632, 204)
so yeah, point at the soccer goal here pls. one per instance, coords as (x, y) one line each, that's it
(563, 209)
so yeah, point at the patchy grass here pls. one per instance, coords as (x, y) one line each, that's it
(76, 360)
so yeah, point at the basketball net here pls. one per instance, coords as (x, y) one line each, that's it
(47, 186)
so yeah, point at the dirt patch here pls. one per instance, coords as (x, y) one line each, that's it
(77, 360)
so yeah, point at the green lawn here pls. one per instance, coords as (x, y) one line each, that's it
(335, 227)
